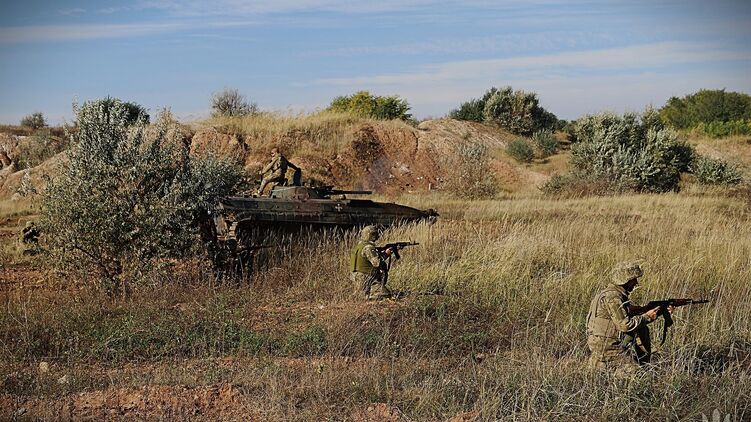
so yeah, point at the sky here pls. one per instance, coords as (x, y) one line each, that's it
(293, 56)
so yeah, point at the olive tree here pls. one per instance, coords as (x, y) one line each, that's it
(130, 196)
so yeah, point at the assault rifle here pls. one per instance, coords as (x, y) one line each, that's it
(395, 248)
(383, 273)
(663, 311)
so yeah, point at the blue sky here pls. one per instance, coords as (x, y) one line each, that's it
(291, 56)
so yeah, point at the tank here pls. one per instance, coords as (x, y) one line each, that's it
(244, 225)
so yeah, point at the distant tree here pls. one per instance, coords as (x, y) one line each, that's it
(34, 121)
(229, 102)
(365, 104)
(517, 111)
(706, 107)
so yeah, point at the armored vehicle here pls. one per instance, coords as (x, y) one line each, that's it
(244, 225)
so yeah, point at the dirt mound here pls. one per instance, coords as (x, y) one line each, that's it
(210, 141)
(33, 180)
(385, 157)
(153, 402)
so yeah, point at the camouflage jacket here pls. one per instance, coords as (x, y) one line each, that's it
(609, 318)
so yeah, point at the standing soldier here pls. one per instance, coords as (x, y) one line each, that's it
(368, 266)
(277, 167)
(617, 331)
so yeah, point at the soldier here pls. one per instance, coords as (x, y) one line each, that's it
(30, 234)
(277, 167)
(368, 266)
(617, 331)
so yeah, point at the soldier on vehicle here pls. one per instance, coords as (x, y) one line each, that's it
(369, 270)
(278, 169)
(617, 331)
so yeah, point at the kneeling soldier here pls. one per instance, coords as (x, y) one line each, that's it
(617, 331)
(368, 266)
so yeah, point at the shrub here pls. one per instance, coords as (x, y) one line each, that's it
(229, 102)
(364, 104)
(714, 171)
(134, 112)
(520, 150)
(722, 129)
(34, 120)
(545, 142)
(635, 152)
(471, 110)
(35, 149)
(471, 174)
(130, 195)
(517, 111)
(705, 107)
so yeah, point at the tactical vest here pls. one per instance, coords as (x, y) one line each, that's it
(359, 263)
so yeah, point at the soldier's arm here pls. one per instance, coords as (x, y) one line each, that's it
(371, 254)
(619, 315)
(268, 167)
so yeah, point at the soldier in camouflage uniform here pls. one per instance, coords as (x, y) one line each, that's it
(277, 167)
(368, 266)
(617, 331)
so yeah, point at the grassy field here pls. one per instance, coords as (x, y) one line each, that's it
(504, 339)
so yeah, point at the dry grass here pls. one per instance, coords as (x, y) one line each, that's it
(505, 340)
(325, 132)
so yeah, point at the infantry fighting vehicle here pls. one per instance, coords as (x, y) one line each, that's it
(244, 225)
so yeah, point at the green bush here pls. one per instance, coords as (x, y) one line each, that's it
(706, 106)
(230, 103)
(364, 104)
(714, 171)
(521, 150)
(130, 195)
(545, 142)
(34, 120)
(723, 129)
(471, 110)
(632, 151)
(517, 111)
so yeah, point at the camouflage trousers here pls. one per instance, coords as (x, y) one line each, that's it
(273, 179)
(634, 352)
(377, 289)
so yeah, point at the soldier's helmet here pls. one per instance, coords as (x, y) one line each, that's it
(29, 224)
(369, 233)
(625, 271)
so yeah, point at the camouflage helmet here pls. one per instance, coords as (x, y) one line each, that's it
(369, 233)
(625, 271)
(29, 224)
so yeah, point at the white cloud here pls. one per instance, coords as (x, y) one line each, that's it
(77, 11)
(257, 7)
(632, 57)
(39, 33)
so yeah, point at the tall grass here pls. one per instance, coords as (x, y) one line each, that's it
(500, 335)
